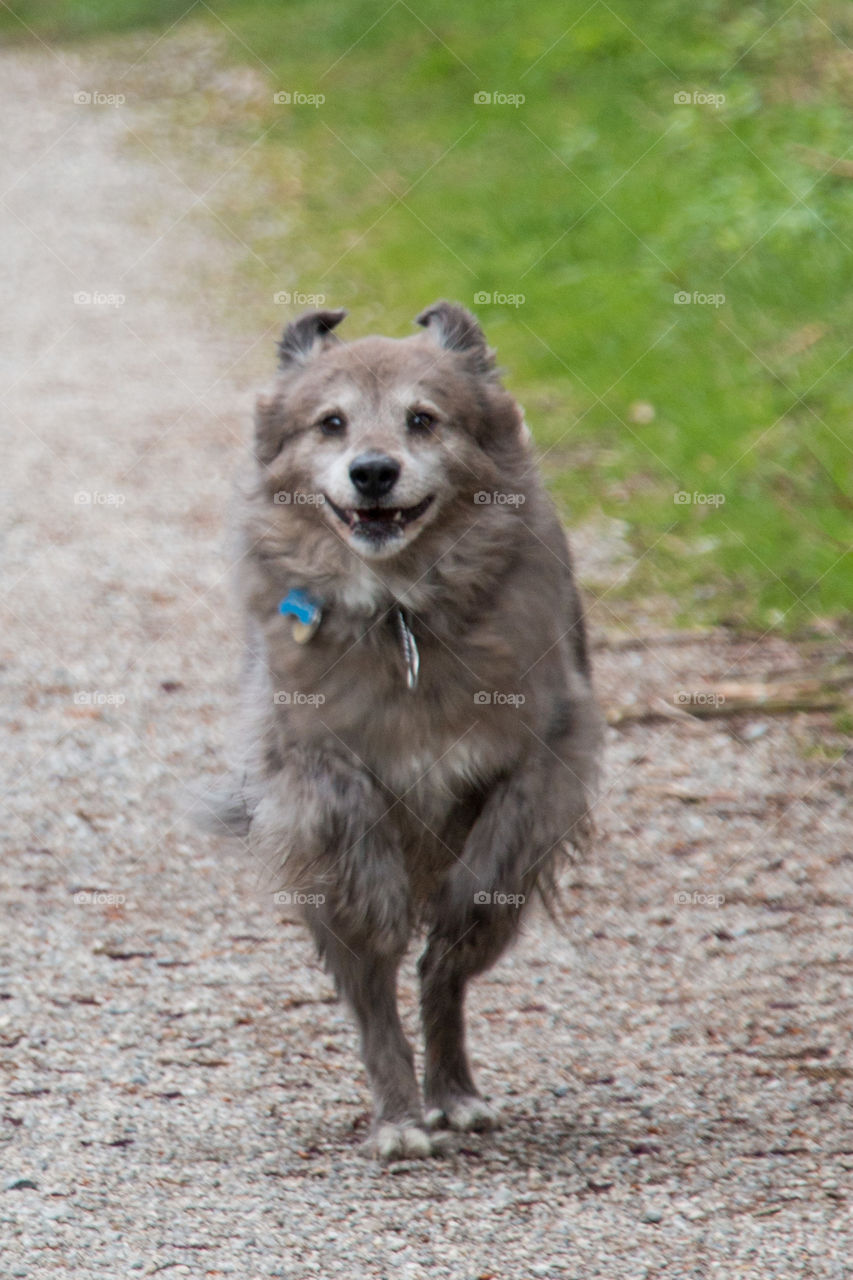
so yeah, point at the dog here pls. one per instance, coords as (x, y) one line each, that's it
(420, 730)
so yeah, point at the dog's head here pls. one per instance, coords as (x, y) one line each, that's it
(378, 436)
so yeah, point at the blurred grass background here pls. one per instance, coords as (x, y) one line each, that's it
(597, 200)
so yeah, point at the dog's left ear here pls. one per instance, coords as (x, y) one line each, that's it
(455, 329)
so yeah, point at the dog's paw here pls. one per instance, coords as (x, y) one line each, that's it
(407, 1140)
(465, 1113)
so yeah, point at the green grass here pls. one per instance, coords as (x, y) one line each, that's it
(597, 199)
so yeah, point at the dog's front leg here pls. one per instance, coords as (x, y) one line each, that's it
(524, 822)
(368, 983)
(330, 827)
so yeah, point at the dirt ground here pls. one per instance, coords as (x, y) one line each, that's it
(180, 1092)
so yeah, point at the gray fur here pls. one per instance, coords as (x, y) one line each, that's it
(401, 809)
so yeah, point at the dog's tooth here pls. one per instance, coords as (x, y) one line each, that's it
(398, 516)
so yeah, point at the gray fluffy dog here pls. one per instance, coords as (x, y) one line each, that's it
(421, 733)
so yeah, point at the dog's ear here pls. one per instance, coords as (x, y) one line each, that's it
(455, 329)
(307, 337)
(269, 428)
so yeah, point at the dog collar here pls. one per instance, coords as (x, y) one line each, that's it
(307, 614)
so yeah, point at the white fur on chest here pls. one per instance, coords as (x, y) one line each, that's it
(364, 591)
(444, 772)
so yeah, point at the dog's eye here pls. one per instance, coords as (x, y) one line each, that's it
(333, 424)
(419, 420)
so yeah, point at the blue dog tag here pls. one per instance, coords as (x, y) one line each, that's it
(306, 613)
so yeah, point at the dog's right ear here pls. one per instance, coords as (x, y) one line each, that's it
(307, 337)
(301, 343)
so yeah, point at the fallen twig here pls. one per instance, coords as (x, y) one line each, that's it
(741, 698)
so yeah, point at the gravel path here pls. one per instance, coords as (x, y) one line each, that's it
(181, 1094)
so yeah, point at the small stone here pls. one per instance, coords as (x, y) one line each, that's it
(652, 1215)
(641, 412)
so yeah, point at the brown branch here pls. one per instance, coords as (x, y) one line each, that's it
(741, 698)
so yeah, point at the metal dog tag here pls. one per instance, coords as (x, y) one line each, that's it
(306, 613)
(303, 631)
(411, 657)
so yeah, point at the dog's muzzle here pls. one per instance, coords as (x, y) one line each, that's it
(379, 522)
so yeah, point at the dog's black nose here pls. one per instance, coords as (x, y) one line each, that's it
(374, 474)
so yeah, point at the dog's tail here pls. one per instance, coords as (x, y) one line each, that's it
(222, 807)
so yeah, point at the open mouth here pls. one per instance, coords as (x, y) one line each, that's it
(379, 522)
